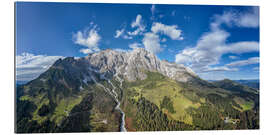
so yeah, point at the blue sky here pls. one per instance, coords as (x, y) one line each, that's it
(217, 42)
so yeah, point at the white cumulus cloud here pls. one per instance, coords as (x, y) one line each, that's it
(88, 38)
(170, 30)
(30, 66)
(151, 42)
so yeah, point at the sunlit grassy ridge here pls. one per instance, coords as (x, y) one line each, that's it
(245, 105)
(64, 107)
(190, 101)
(157, 86)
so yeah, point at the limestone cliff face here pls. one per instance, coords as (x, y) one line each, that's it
(132, 64)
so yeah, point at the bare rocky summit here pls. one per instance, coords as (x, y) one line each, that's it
(132, 64)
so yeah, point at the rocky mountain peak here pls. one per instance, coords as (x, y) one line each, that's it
(133, 64)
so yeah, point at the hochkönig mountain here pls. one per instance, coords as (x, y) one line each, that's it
(130, 91)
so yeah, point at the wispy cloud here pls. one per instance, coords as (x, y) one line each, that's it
(120, 50)
(233, 57)
(88, 38)
(256, 69)
(138, 24)
(30, 66)
(242, 47)
(210, 48)
(235, 18)
(118, 33)
(135, 45)
(87, 50)
(122, 33)
(163, 40)
(222, 68)
(153, 9)
(173, 13)
(249, 61)
(249, 20)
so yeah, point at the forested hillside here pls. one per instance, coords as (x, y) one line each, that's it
(97, 94)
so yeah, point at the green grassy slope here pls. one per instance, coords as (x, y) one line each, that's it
(194, 105)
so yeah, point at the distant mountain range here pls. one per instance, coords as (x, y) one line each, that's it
(253, 83)
(131, 91)
(21, 82)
